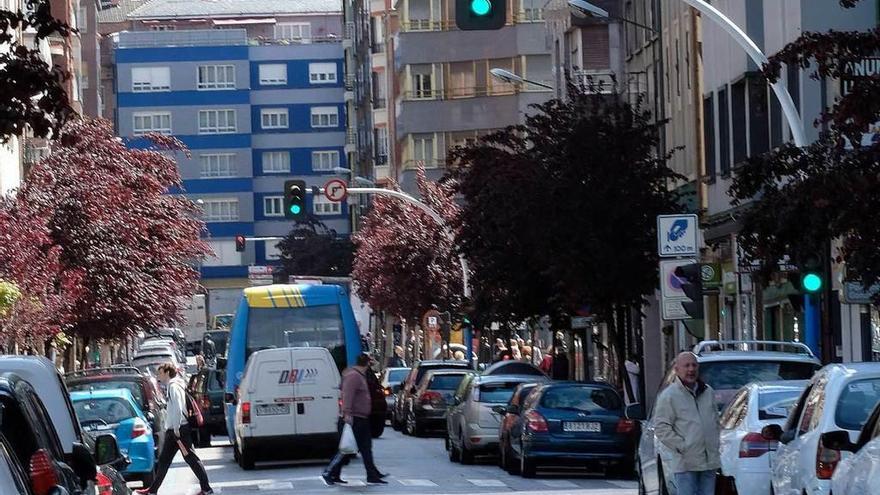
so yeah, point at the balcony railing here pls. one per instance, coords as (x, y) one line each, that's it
(596, 82)
(349, 30)
(351, 137)
(428, 25)
(350, 82)
(189, 37)
(461, 93)
(377, 48)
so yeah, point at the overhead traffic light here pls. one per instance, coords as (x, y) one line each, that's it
(691, 278)
(812, 278)
(477, 15)
(294, 198)
(240, 242)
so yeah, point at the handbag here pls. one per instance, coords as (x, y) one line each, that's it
(347, 443)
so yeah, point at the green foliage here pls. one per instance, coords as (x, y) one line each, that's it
(9, 294)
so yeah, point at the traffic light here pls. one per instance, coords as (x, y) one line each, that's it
(812, 279)
(691, 278)
(294, 198)
(477, 15)
(240, 242)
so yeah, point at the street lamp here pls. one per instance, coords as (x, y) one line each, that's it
(586, 10)
(354, 178)
(511, 78)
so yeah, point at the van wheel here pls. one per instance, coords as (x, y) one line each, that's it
(246, 459)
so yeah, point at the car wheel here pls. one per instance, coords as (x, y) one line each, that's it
(467, 455)
(527, 468)
(622, 470)
(510, 464)
(246, 458)
(394, 422)
(454, 453)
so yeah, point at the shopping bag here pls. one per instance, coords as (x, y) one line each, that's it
(347, 443)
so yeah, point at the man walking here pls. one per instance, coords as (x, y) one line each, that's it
(686, 422)
(356, 408)
(178, 434)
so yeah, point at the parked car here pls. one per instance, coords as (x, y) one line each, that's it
(150, 360)
(207, 387)
(408, 387)
(726, 366)
(859, 473)
(391, 380)
(117, 411)
(161, 345)
(839, 397)
(427, 410)
(745, 453)
(143, 387)
(109, 480)
(81, 456)
(471, 423)
(510, 419)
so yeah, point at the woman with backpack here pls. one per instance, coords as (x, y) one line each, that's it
(178, 432)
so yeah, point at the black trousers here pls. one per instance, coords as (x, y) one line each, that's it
(169, 450)
(364, 438)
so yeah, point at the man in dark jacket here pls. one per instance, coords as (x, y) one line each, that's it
(356, 408)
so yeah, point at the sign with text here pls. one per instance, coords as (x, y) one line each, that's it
(676, 235)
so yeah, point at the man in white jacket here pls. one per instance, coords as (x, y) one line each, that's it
(686, 422)
(178, 434)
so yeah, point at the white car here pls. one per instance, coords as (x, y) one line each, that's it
(745, 453)
(839, 397)
(859, 473)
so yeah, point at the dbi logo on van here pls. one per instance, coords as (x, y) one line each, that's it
(298, 375)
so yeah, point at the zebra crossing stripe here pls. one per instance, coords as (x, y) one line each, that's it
(277, 485)
(417, 482)
(488, 483)
(558, 483)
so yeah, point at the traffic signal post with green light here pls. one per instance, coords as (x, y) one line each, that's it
(479, 15)
(294, 199)
(811, 283)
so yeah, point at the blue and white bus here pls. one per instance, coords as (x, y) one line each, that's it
(288, 315)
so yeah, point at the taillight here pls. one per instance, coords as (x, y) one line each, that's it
(535, 422)
(246, 412)
(138, 429)
(625, 425)
(43, 475)
(826, 462)
(755, 445)
(431, 397)
(104, 485)
(387, 391)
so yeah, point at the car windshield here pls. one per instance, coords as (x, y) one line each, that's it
(586, 399)
(856, 403)
(445, 382)
(732, 375)
(497, 393)
(397, 376)
(131, 386)
(776, 404)
(110, 410)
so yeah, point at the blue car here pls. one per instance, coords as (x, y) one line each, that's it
(117, 411)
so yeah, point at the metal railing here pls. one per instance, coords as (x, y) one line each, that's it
(350, 81)
(461, 93)
(596, 82)
(351, 137)
(189, 37)
(349, 30)
(708, 346)
(427, 25)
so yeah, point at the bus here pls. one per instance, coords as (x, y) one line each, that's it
(288, 315)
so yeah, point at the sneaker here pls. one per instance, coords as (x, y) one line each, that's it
(340, 481)
(383, 475)
(376, 481)
(327, 479)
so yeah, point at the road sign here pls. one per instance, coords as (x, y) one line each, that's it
(335, 190)
(670, 290)
(260, 275)
(581, 321)
(676, 235)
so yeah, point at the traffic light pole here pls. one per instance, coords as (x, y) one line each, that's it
(812, 322)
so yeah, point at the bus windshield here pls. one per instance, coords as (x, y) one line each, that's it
(310, 326)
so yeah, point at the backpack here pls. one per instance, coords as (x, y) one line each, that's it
(193, 411)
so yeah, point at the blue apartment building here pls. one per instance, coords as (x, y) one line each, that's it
(253, 111)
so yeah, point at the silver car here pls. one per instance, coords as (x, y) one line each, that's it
(471, 424)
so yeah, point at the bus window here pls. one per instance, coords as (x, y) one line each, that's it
(310, 326)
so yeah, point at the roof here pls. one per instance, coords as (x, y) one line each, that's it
(110, 393)
(120, 12)
(483, 379)
(513, 367)
(187, 9)
(853, 368)
(291, 295)
(755, 356)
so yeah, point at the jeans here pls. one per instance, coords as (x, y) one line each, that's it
(695, 483)
(364, 438)
(169, 450)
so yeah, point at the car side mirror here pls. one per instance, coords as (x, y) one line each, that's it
(83, 463)
(499, 410)
(106, 449)
(772, 432)
(230, 399)
(838, 440)
(635, 411)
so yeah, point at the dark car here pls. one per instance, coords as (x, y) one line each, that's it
(110, 479)
(574, 424)
(207, 388)
(143, 388)
(427, 409)
(408, 387)
(511, 419)
(391, 380)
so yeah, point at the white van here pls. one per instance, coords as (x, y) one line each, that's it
(288, 405)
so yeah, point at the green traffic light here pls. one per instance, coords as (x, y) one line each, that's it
(812, 282)
(295, 209)
(481, 7)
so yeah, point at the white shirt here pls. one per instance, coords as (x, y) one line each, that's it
(175, 416)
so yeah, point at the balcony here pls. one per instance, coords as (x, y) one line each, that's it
(351, 141)
(194, 37)
(348, 36)
(596, 82)
(427, 25)
(427, 115)
(350, 82)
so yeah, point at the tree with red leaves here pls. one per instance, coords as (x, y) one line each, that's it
(404, 263)
(101, 222)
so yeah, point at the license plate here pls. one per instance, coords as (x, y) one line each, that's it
(590, 427)
(272, 409)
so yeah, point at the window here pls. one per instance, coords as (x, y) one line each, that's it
(276, 161)
(738, 116)
(146, 122)
(723, 133)
(162, 27)
(856, 403)
(325, 160)
(224, 254)
(709, 135)
(322, 73)
(273, 206)
(423, 148)
(323, 206)
(273, 118)
(422, 81)
(216, 121)
(325, 117)
(218, 165)
(293, 31)
(273, 74)
(220, 210)
(216, 77)
(148, 79)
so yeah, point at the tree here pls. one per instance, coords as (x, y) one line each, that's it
(802, 198)
(105, 217)
(313, 249)
(403, 261)
(32, 94)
